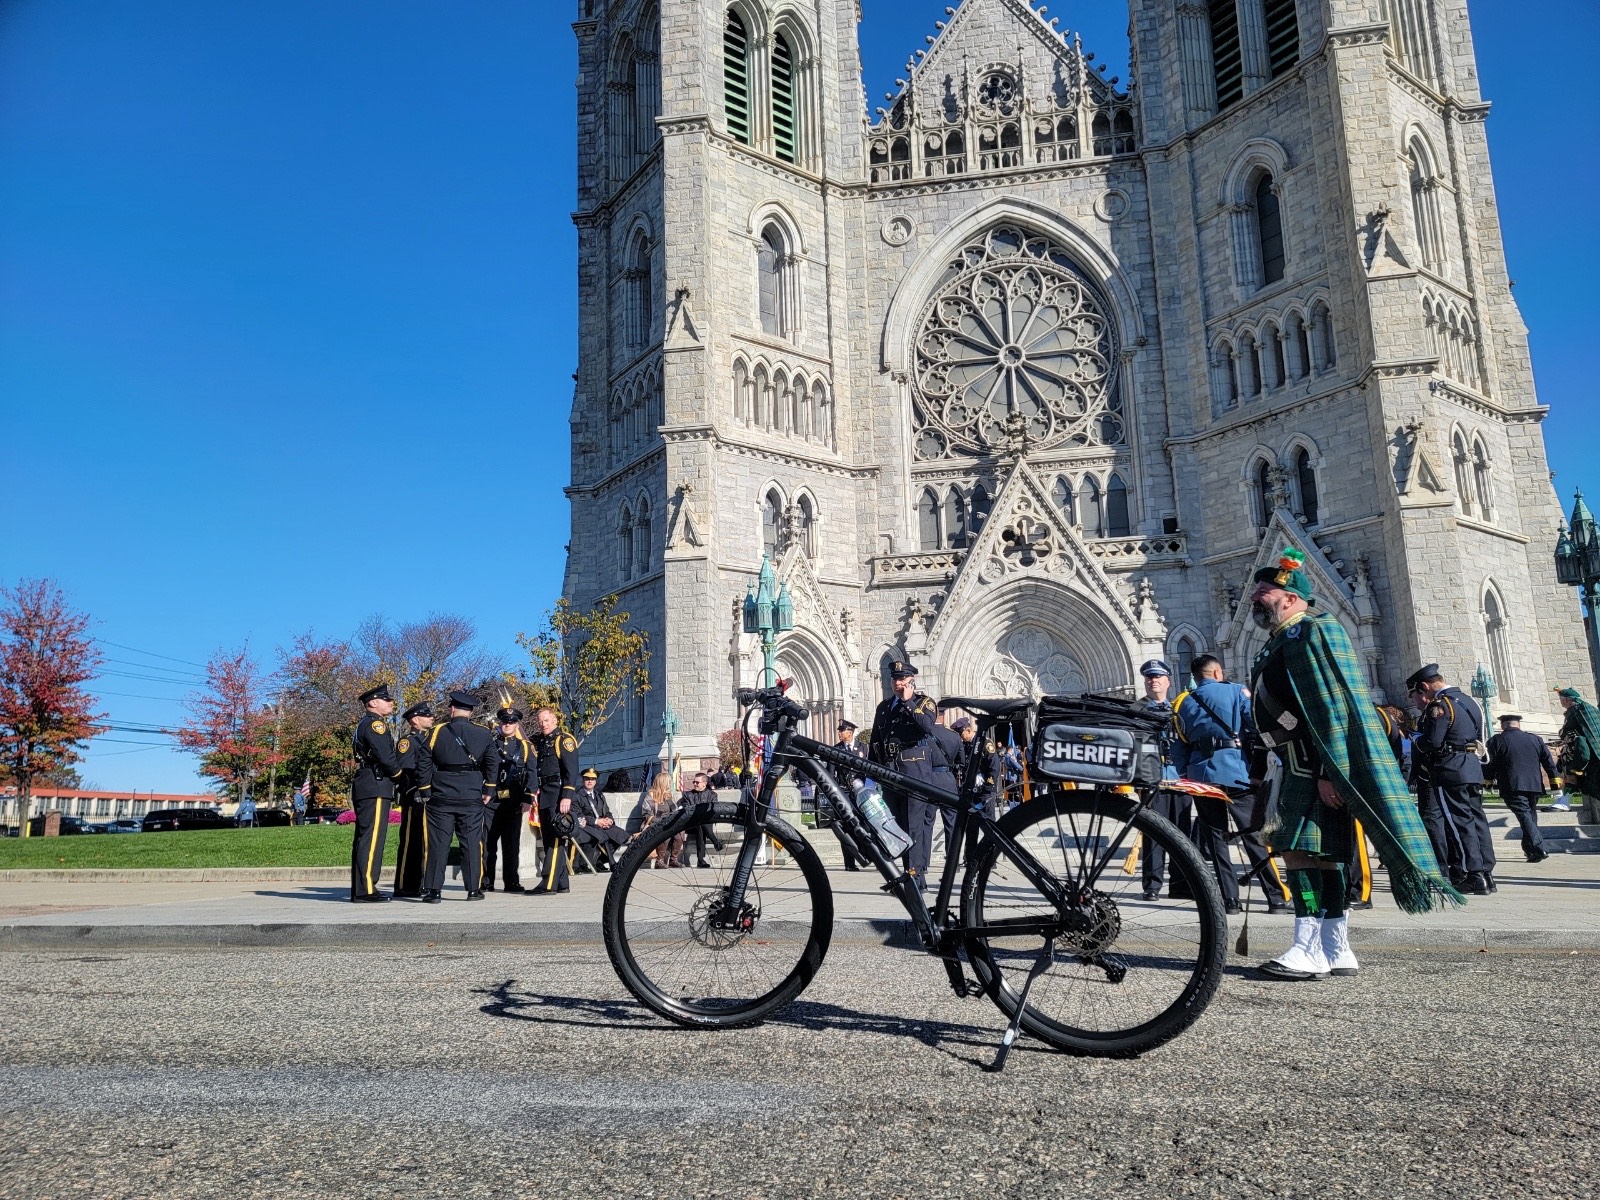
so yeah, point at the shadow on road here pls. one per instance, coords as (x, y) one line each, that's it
(322, 894)
(508, 1003)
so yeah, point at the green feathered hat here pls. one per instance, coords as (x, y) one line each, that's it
(1289, 575)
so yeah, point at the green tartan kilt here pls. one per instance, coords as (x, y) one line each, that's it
(1305, 823)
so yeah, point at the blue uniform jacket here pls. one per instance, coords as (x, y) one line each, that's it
(1199, 749)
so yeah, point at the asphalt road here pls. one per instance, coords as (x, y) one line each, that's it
(529, 1073)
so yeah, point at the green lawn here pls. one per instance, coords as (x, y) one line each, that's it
(303, 846)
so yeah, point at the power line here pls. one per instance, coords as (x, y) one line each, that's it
(140, 696)
(150, 653)
(141, 666)
(186, 683)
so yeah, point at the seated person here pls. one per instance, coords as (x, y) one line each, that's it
(598, 835)
(699, 793)
(660, 805)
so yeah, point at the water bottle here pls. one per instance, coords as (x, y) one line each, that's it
(894, 840)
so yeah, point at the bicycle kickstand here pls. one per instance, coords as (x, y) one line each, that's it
(1047, 956)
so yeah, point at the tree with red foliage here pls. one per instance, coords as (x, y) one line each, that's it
(230, 723)
(46, 658)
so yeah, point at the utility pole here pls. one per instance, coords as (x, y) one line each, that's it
(272, 780)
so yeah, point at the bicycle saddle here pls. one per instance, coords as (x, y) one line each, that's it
(998, 709)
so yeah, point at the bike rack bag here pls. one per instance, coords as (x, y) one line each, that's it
(1098, 740)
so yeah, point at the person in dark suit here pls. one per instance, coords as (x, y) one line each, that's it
(412, 859)
(1520, 764)
(1450, 779)
(699, 792)
(599, 835)
(372, 791)
(456, 772)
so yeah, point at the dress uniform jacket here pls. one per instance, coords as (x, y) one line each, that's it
(1212, 726)
(904, 737)
(556, 766)
(377, 760)
(502, 841)
(376, 778)
(412, 859)
(457, 766)
(1450, 782)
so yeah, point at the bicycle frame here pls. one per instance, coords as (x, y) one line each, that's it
(937, 931)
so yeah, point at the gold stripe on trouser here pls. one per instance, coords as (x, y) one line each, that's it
(400, 854)
(1277, 877)
(372, 845)
(555, 861)
(572, 854)
(1364, 863)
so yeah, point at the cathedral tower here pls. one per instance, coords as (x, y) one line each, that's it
(1020, 375)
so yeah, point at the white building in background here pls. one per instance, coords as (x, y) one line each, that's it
(1021, 376)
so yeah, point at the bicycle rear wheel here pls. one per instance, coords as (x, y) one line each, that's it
(1135, 973)
(677, 948)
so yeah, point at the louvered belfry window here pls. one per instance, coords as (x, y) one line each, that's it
(1283, 36)
(1226, 56)
(736, 77)
(783, 122)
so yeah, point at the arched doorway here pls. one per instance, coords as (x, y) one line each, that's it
(1035, 637)
(818, 682)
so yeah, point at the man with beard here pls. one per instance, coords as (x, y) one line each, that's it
(372, 790)
(1324, 759)
(557, 760)
(1450, 780)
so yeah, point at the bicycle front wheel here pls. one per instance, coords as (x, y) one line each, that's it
(1130, 974)
(683, 951)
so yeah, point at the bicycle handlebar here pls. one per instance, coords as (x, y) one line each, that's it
(772, 701)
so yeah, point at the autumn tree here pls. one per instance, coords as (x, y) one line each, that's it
(426, 659)
(589, 660)
(45, 712)
(318, 682)
(231, 724)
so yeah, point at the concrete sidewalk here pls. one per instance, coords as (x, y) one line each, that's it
(1553, 904)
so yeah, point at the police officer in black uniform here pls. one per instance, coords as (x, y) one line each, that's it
(982, 762)
(412, 859)
(456, 772)
(904, 738)
(372, 790)
(842, 776)
(1450, 780)
(557, 762)
(503, 819)
(1174, 806)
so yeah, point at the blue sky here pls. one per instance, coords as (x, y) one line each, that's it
(286, 303)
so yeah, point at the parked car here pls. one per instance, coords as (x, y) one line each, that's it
(124, 825)
(168, 819)
(272, 817)
(323, 815)
(70, 826)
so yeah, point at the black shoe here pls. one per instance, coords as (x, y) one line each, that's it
(603, 867)
(702, 864)
(408, 896)
(1151, 894)
(1474, 884)
(1359, 904)
(475, 895)
(373, 898)
(488, 887)
(432, 897)
(1488, 879)
(1233, 910)
(1179, 894)
(513, 888)
(538, 890)
(1538, 855)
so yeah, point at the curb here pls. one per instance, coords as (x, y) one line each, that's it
(423, 935)
(414, 935)
(181, 875)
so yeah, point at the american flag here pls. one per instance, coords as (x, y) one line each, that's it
(304, 790)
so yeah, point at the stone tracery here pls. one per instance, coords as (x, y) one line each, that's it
(1015, 329)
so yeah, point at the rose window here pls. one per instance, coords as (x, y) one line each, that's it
(1015, 336)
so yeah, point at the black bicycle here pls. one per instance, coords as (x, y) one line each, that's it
(1049, 919)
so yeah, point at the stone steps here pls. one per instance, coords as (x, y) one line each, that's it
(1564, 832)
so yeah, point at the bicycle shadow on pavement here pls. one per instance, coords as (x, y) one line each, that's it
(508, 1003)
(319, 895)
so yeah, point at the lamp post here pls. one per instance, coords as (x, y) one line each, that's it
(1483, 691)
(1578, 565)
(669, 726)
(768, 611)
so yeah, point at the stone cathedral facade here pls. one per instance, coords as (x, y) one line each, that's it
(1021, 374)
